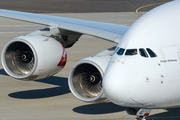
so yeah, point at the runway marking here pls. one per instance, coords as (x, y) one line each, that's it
(137, 10)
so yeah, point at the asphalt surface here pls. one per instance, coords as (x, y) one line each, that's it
(79, 6)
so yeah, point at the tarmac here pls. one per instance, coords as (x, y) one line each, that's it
(79, 6)
(51, 99)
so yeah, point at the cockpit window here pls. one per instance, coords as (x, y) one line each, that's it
(142, 52)
(131, 52)
(121, 51)
(151, 53)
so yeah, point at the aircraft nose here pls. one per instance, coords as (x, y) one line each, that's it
(116, 84)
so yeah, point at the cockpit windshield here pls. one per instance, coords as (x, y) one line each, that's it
(151, 53)
(131, 52)
(143, 53)
(121, 51)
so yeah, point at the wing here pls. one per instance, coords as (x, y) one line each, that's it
(107, 31)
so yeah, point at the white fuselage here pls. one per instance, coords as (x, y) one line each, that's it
(150, 82)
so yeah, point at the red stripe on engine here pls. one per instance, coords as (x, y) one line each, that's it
(63, 58)
(146, 114)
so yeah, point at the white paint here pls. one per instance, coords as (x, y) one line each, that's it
(126, 85)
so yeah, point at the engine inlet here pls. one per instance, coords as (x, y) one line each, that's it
(88, 79)
(91, 82)
(19, 58)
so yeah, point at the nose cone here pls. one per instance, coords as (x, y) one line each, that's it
(116, 84)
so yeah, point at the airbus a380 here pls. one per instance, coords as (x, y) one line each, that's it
(141, 73)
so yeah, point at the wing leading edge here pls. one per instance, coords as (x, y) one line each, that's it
(107, 31)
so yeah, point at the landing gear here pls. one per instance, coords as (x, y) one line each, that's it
(140, 118)
(142, 113)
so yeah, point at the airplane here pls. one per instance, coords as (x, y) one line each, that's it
(141, 73)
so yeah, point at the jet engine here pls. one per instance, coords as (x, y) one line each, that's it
(85, 78)
(33, 57)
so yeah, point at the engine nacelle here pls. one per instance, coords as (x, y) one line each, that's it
(85, 78)
(33, 57)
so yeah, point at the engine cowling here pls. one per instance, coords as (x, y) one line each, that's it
(33, 57)
(85, 78)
